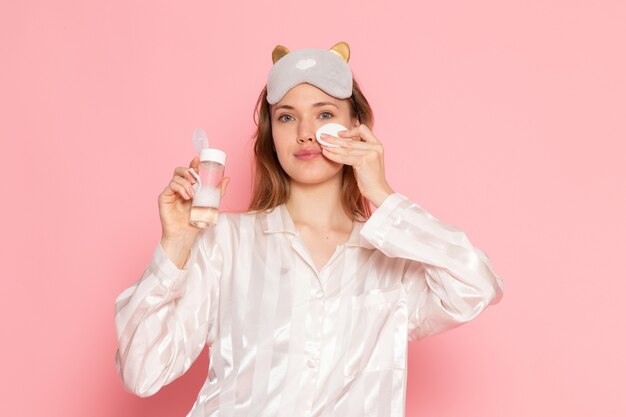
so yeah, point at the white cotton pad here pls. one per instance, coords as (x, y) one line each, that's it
(330, 129)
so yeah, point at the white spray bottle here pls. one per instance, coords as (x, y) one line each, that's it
(208, 187)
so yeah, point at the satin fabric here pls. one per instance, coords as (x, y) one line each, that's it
(288, 340)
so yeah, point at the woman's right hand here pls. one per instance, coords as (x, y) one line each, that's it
(175, 205)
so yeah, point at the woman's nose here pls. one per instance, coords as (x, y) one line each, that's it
(306, 132)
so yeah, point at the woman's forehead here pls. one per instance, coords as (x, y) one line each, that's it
(306, 95)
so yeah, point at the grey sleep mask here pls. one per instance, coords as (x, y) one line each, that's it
(326, 69)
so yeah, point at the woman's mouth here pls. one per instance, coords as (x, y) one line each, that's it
(307, 154)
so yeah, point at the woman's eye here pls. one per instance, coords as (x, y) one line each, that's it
(281, 117)
(329, 115)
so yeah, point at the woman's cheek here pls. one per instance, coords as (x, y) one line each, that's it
(282, 156)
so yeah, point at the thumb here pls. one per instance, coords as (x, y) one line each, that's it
(195, 163)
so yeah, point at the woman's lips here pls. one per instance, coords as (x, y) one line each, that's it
(306, 155)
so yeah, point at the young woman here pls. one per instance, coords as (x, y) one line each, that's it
(308, 299)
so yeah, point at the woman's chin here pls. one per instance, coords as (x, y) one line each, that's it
(315, 179)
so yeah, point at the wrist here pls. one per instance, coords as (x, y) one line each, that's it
(381, 195)
(177, 249)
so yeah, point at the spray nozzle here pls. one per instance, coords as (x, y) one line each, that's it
(200, 140)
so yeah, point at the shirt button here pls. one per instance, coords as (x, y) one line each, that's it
(311, 363)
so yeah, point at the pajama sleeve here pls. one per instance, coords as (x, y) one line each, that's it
(446, 279)
(165, 318)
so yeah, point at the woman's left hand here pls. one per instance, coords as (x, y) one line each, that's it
(361, 149)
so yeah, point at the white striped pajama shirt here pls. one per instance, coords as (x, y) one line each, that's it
(288, 340)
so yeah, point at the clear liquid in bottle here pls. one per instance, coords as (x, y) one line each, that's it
(203, 216)
(205, 205)
(207, 189)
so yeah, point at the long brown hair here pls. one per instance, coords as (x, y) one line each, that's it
(271, 182)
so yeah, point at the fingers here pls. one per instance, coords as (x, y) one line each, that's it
(184, 172)
(351, 152)
(350, 143)
(182, 181)
(179, 189)
(182, 187)
(194, 164)
(186, 184)
(340, 159)
(354, 152)
(362, 132)
(341, 156)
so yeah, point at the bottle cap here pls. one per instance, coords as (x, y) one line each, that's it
(213, 155)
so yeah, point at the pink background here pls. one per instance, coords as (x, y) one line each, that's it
(505, 118)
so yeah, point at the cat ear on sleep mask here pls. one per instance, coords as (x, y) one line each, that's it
(327, 69)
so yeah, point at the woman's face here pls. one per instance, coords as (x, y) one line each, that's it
(295, 119)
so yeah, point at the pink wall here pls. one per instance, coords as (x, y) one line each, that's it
(505, 118)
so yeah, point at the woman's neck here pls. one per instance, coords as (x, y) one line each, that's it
(318, 205)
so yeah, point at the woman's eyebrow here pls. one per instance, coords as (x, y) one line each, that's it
(324, 103)
(319, 104)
